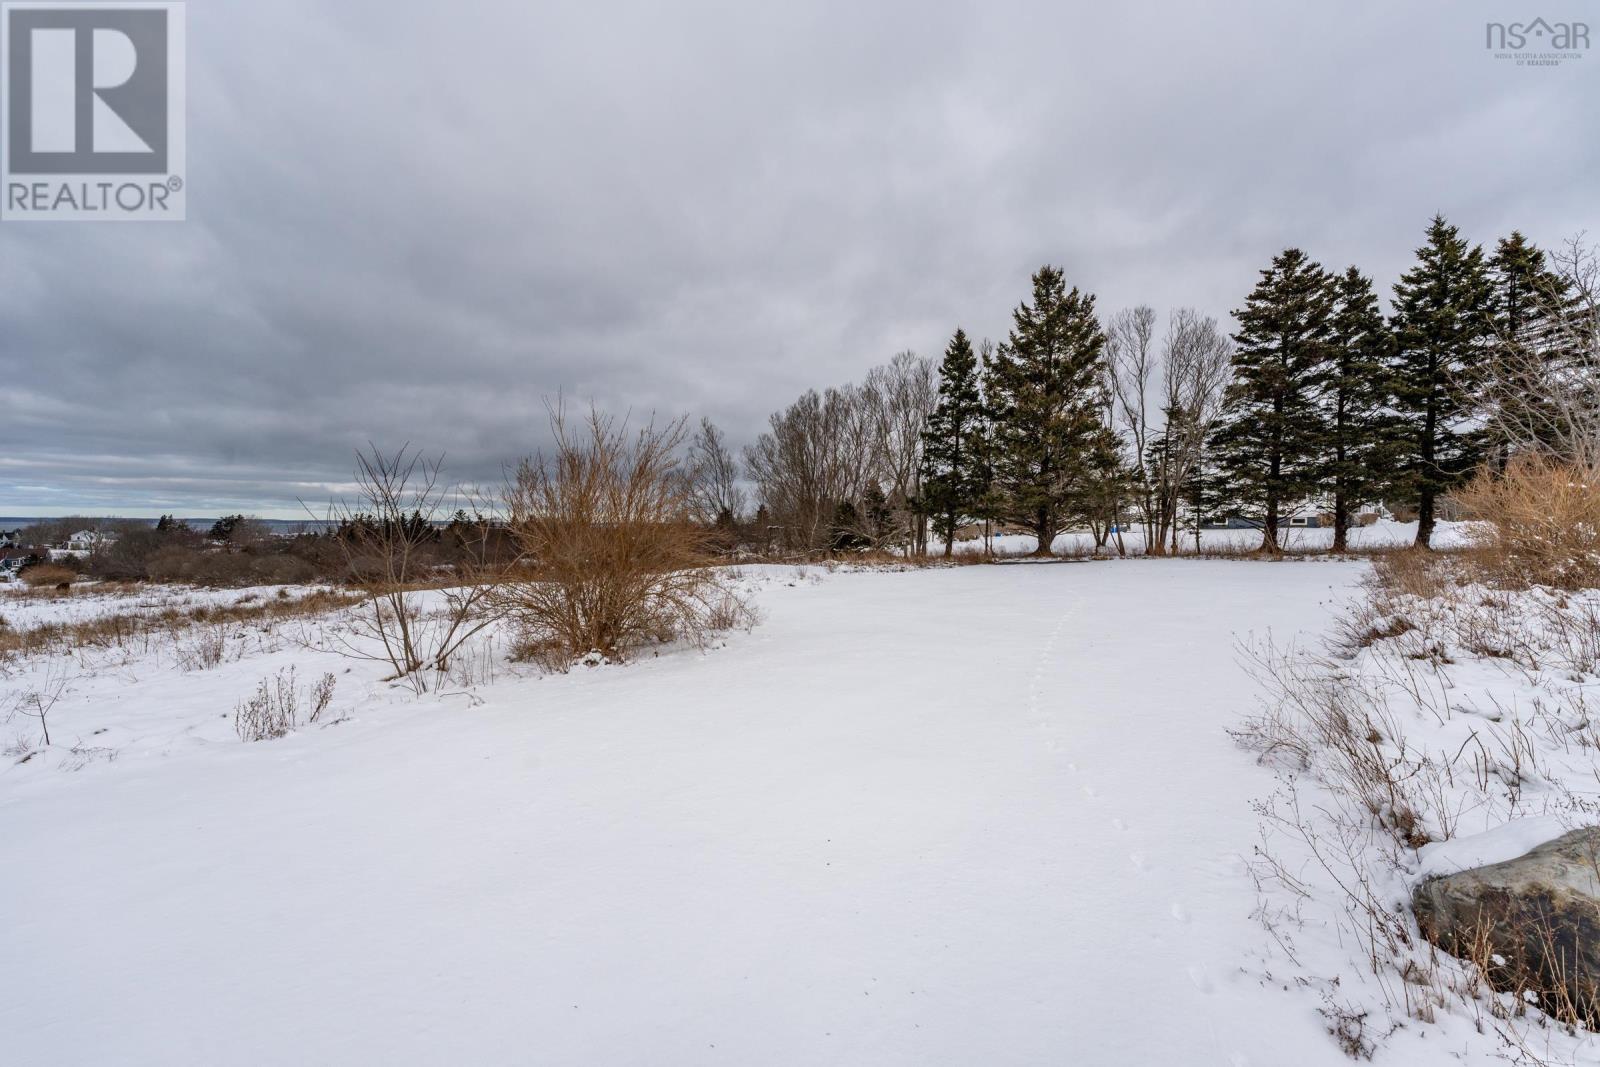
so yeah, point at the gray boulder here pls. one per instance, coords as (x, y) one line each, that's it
(1532, 923)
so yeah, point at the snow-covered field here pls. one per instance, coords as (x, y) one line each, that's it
(953, 816)
(22, 607)
(1382, 534)
(1444, 728)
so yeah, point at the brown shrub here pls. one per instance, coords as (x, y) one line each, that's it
(615, 560)
(49, 575)
(1413, 572)
(1541, 521)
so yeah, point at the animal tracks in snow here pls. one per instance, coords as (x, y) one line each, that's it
(1139, 861)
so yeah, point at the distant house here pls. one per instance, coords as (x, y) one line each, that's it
(10, 539)
(1309, 520)
(81, 544)
(12, 560)
(1307, 515)
(1310, 515)
(87, 541)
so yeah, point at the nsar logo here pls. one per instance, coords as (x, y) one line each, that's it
(1539, 43)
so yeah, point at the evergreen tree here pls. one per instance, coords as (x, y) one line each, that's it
(1526, 301)
(952, 445)
(877, 517)
(1044, 388)
(761, 527)
(1200, 493)
(223, 529)
(1269, 443)
(1354, 403)
(1522, 288)
(1108, 479)
(1442, 326)
(844, 529)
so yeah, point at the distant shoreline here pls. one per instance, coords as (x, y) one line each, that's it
(11, 522)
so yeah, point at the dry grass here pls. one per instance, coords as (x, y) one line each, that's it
(49, 576)
(124, 629)
(1526, 949)
(23, 593)
(276, 706)
(1414, 572)
(1342, 720)
(1542, 519)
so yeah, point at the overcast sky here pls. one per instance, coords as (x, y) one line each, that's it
(412, 222)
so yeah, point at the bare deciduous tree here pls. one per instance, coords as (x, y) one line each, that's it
(1130, 368)
(900, 396)
(714, 476)
(831, 449)
(387, 537)
(816, 453)
(1166, 432)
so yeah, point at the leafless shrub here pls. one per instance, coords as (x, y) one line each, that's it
(321, 695)
(386, 536)
(1348, 1026)
(271, 712)
(1331, 722)
(274, 709)
(39, 701)
(1570, 632)
(616, 562)
(206, 649)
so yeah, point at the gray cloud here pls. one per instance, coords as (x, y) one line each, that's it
(414, 222)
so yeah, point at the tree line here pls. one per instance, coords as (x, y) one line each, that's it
(1318, 398)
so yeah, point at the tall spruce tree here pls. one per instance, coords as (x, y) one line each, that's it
(1270, 444)
(952, 445)
(1527, 301)
(990, 505)
(1044, 389)
(1443, 328)
(1107, 483)
(1355, 399)
(1522, 286)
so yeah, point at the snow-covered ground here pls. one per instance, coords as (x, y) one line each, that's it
(1382, 534)
(1444, 728)
(22, 607)
(952, 816)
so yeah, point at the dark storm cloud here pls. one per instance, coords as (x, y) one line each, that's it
(414, 222)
